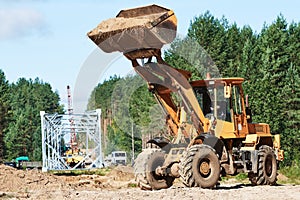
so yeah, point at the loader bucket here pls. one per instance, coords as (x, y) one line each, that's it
(148, 27)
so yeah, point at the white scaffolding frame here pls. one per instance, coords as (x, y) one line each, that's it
(57, 127)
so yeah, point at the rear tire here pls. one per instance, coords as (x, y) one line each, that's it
(200, 167)
(267, 167)
(144, 169)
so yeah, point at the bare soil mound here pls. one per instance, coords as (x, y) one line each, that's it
(14, 180)
(122, 173)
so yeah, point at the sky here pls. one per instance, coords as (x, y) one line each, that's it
(47, 39)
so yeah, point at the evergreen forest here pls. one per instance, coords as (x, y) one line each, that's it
(20, 121)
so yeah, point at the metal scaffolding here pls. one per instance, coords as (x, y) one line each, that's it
(56, 131)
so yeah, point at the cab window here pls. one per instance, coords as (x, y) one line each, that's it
(236, 100)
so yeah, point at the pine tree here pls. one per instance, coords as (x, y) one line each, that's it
(291, 134)
(210, 33)
(270, 74)
(4, 111)
(291, 112)
(23, 135)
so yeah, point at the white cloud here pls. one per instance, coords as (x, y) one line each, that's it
(20, 22)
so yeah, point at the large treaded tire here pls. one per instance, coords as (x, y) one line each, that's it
(200, 167)
(267, 167)
(144, 170)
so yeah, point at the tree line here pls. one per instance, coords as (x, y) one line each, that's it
(20, 125)
(269, 61)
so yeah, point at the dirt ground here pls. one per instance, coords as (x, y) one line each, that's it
(119, 184)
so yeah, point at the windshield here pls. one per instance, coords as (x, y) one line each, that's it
(212, 102)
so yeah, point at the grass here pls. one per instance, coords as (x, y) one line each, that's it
(241, 177)
(132, 185)
(292, 173)
(225, 178)
(100, 172)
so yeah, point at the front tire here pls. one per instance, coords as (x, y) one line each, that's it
(267, 167)
(144, 169)
(200, 167)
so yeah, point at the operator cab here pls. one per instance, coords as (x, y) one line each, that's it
(224, 100)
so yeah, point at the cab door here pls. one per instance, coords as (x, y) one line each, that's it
(238, 107)
(224, 127)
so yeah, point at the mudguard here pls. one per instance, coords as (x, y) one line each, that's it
(212, 141)
(165, 144)
(159, 141)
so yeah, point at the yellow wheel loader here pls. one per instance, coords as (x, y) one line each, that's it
(75, 158)
(210, 125)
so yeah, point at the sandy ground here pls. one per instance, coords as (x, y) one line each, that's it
(33, 184)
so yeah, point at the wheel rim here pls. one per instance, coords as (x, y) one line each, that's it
(269, 165)
(204, 167)
(156, 163)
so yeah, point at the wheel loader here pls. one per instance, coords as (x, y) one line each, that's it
(209, 121)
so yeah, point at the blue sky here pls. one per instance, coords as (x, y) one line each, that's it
(47, 39)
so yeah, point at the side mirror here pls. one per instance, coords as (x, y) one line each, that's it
(227, 91)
